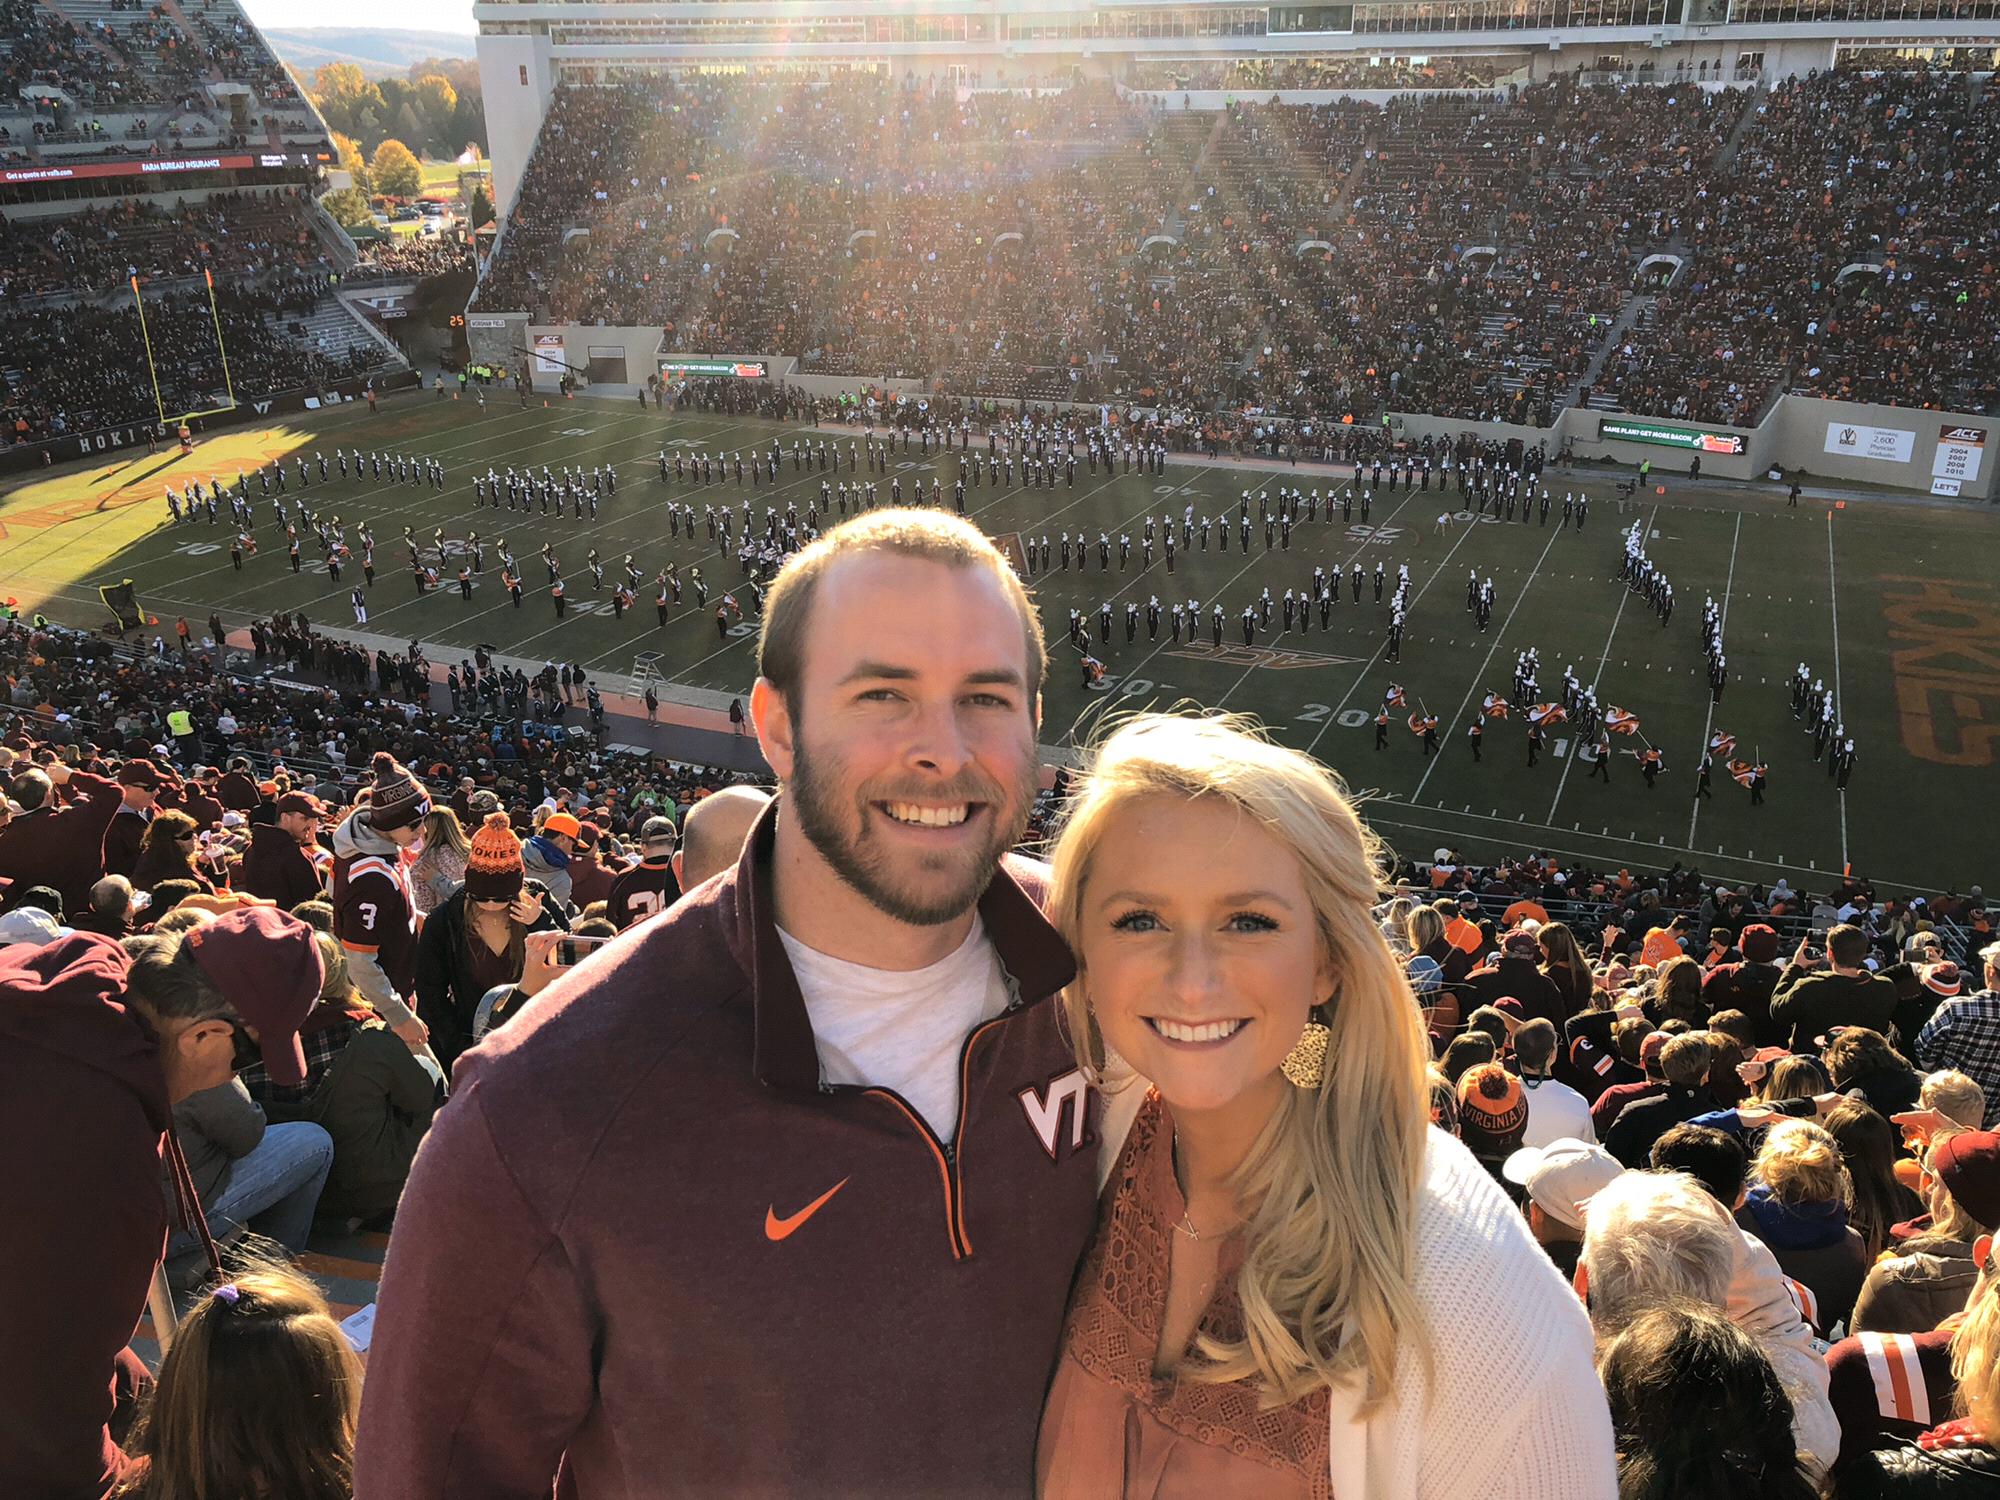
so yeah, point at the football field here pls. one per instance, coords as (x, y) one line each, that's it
(1893, 602)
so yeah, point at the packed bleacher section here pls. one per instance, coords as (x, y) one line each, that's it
(415, 256)
(1252, 75)
(139, 79)
(71, 368)
(240, 236)
(1834, 170)
(1465, 254)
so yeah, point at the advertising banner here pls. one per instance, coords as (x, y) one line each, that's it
(549, 354)
(1958, 454)
(1889, 445)
(1630, 430)
(738, 369)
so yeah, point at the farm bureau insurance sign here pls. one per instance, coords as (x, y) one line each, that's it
(737, 369)
(1889, 445)
(1669, 437)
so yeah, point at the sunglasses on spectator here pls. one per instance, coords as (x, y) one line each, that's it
(184, 838)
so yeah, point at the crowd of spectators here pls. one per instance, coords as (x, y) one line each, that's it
(1752, 1120)
(141, 55)
(75, 367)
(413, 255)
(1835, 169)
(239, 236)
(1464, 254)
(1254, 75)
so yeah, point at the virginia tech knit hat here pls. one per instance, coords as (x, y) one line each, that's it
(493, 870)
(1760, 943)
(267, 965)
(1492, 1112)
(397, 799)
(1968, 1164)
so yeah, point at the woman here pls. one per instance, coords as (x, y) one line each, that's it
(257, 1397)
(1797, 1205)
(1677, 996)
(1566, 967)
(363, 1086)
(439, 869)
(1288, 1258)
(1868, 1148)
(169, 850)
(474, 941)
(1958, 1457)
(1698, 1410)
(1794, 1077)
(1930, 1275)
(1861, 1061)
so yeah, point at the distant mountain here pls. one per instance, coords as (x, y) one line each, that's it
(377, 52)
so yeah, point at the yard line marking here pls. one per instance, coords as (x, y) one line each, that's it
(1833, 598)
(1465, 532)
(1608, 639)
(1708, 721)
(1487, 664)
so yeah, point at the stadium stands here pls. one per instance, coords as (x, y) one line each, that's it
(1477, 255)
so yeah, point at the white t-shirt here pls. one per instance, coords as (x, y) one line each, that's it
(901, 1029)
(1556, 1112)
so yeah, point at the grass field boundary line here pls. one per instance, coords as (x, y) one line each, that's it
(1625, 597)
(1708, 719)
(1486, 665)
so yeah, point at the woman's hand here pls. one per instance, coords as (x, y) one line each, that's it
(527, 908)
(414, 1033)
(537, 973)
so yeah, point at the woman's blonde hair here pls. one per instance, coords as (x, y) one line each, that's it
(1326, 1282)
(258, 1395)
(1975, 1355)
(1424, 928)
(1800, 1163)
(441, 827)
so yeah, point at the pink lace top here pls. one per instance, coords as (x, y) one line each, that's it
(1111, 1428)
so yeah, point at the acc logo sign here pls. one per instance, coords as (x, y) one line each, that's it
(1045, 1108)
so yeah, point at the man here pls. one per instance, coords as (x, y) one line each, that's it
(1965, 1034)
(1747, 986)
(713, 831)
(844, 1051)
(650, 886)
(139, 783)
(89, 1070)
(285, 862)
(1555, 1110)
(548, 852)
(1517, 972)
(57, 839)
(1811, 1000)
(1684, 1062)
(1559, 1177)
(374, 908)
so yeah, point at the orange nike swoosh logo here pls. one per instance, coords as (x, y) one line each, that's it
(776, 1229)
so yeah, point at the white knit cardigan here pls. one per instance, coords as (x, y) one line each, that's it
(1516, 1411)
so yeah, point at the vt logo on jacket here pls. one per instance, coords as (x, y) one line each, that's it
(1045, 1108)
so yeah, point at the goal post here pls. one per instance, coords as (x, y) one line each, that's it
(221, 350)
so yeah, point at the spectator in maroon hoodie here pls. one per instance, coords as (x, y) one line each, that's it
(284, 860)
(89, 1072)
(590, 878)
(58, 838)
(1747, 986)
(1517, 972)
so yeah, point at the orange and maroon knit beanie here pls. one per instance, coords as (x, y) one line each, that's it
(493, 862)
(1492, 1111)
(396, 799)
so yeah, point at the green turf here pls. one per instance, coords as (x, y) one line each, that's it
(1917, 690)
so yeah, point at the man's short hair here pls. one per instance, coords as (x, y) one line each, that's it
(924, 534)
(1684, 1060)
(1955, 1095)
(1735, 1025)
(1652, 1236)
(111, 896)
(31, 789)
(1847, 945)
(1535, 1044)
(1629, 1036)
(1713, 1158)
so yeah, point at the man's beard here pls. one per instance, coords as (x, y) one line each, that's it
(939, 889)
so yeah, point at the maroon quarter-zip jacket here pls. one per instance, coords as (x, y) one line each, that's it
(645, 1252)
